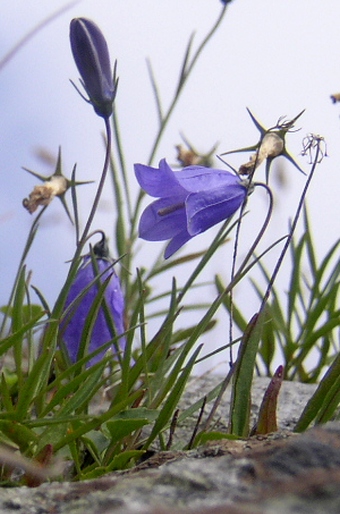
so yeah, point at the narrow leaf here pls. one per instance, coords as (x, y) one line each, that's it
(267, 421)
(243, 377)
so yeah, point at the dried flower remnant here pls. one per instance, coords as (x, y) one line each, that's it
(43, 195)
(189, 156)
(272, 144)
(81, 299)
(189, 202)
(91, 55)
(53, 186)
(312, 144)
(335, 98)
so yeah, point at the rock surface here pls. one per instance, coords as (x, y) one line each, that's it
(282, 473)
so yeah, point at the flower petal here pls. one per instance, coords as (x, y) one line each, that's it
(72, 326)
(162, 219)
(207, 208)
(176, 243)
(190, 201)
(198, 178)
(159, 182)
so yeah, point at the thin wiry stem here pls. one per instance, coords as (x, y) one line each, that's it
(164, 118)
(49, 339)
(292, 230)
(99, 190)
(185, 73)
(7, 57)
(122, 164)
(155, 92)
(249, 254)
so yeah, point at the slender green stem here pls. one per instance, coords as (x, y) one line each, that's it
(122, 164)
(99, 190)
(7, 57)
(291, 232)
(182, 81)
(185, 73)
(263, 228)
(59, 305)
(27, 248)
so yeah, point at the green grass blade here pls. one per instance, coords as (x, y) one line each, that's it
(172, 400)
(316, 402)
(243, 378)
(33, 384)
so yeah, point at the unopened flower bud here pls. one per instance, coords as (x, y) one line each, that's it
(92, 58)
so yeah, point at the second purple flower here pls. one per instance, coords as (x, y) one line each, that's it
(80, 300)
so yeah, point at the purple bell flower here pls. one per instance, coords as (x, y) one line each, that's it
(73, 324)
(92, 58)
(189, 201)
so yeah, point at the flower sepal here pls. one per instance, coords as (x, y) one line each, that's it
(272, 144)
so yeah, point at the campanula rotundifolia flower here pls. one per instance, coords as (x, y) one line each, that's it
(81, 299)
(189, 201)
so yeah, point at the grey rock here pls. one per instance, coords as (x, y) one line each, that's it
(283, 473)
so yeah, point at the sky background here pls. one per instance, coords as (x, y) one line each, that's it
(276, 58)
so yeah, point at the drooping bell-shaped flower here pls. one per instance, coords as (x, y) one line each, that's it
(91, 54)
(189, 201)
(81, 303)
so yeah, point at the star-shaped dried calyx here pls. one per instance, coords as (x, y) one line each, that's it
(54, 185)
(271, 144)
(188, 156)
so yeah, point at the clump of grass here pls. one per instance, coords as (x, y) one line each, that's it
(105, 409)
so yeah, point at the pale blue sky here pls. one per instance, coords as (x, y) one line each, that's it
(276, 58)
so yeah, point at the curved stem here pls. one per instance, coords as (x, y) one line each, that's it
(99, 190)
(248, 256)
(49, 339)
(11, 53)
(263, 228)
